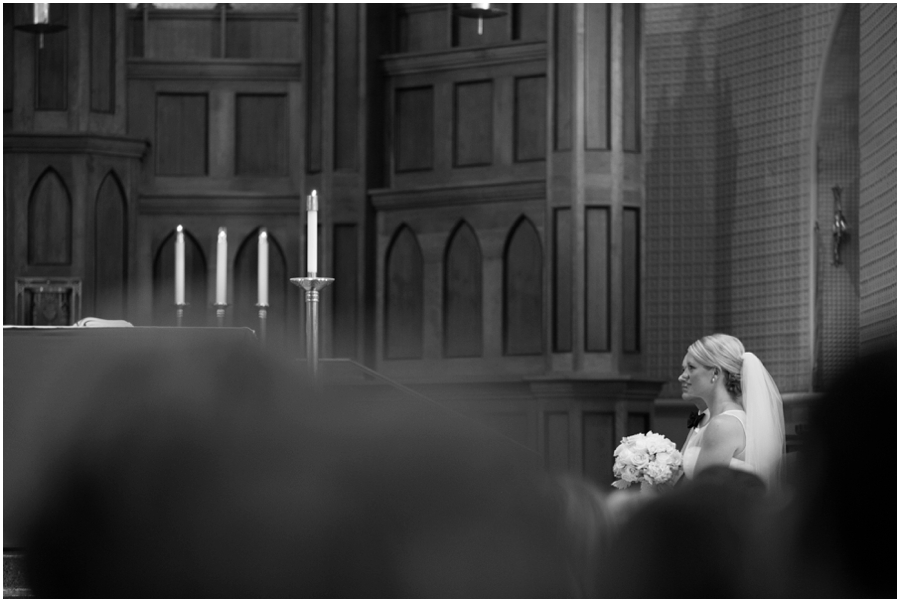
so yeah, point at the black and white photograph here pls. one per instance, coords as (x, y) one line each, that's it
(450, 301)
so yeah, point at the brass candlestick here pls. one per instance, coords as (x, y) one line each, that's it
(263, 310)
(312, 285)
(220, 314)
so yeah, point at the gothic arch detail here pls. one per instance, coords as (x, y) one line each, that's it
(404, 297)
(50, 221)
(463, 294)
(523, 275)
(110, 248)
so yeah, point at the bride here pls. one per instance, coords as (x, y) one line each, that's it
(742, 425)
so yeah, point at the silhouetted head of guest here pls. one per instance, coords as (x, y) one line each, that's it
(212, 473)
(838, 537)
(687, 543)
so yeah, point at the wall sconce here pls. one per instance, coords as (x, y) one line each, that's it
(40, 22)
(839, 229)
(479, 11)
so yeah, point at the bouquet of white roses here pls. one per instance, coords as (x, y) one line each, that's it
(649, 459)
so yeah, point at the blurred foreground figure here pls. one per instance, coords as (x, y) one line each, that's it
(227, 477)
(687, 543)
(838, 537)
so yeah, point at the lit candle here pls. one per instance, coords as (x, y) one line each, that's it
(312, 225)
(179, 265)
(221, 267)
(263, 268)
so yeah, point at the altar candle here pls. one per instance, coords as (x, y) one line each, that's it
(179, 265)
(263, 268)
(221, 266)
(312, 227)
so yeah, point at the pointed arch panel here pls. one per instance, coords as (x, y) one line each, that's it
(523, 275)
(462, 294)
(404, 297)
(110, 249)
(50, 221)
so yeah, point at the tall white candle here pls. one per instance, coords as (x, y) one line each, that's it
(221, 266)
(312, 233)
(179, 265)
(263, 268)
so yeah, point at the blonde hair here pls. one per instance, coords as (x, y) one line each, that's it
(721, 351)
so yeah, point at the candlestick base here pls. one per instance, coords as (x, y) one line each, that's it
(220, 313)
(312, 285)
(263, 311)
(179, 313)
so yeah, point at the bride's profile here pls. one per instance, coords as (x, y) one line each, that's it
(742, 425)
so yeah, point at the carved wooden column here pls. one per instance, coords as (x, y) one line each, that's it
(593, 392)
(69, 166)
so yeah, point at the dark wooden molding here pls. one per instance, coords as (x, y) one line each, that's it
(464, 58)
(384, 199)
(117, 146)
(215, 69)
(219, 203)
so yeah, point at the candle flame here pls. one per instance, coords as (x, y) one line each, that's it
(179, 229)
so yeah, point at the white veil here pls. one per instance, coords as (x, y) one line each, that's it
(765, 420)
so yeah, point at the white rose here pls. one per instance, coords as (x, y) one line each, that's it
(640, 459)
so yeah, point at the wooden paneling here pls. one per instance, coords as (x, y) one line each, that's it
(463, 295)
(473, 124)
(50, 222)
(598, 445)
(556, 441)
(631, 77)
(562, 61)
(523, 286)
(530, 21)
(596, 73)
(562, 280)
(597, 274)
(9, 60)
(110, 249)
(631, 278)
(183, 34)
(638, 422)
(530, 133)
(52, 64)
(346, 87)
(404, 297)
(103, 57)
(181, 134)
(261, 135)
(251, 35)
(135, 34)
(195, 291)
(345, 290)
(423, 27)
(414, 128)
(315, 57)
(246, 289)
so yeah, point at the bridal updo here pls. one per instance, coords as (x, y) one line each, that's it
(721, 351)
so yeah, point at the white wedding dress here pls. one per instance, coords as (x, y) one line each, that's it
(691, 450)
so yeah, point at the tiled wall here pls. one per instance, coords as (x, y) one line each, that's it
(729, 98)
(878, 179)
